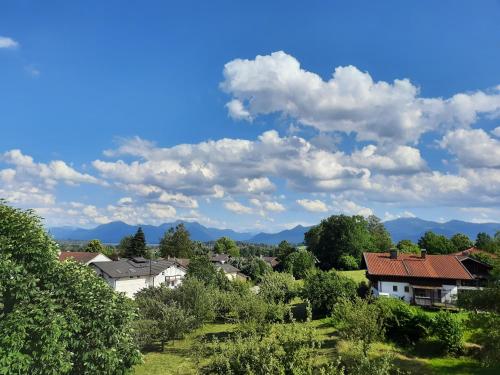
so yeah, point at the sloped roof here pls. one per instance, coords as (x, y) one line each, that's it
(227, 268)
(273, 261)
(472, 251)
(219, 258)
(127, 267)
(79, 256)
(411, 265)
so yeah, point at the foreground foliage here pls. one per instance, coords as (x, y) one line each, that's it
(56, 318)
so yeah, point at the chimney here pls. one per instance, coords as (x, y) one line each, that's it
(394, 253)
(423, 253)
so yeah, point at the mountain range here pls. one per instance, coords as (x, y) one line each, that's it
(403, 228)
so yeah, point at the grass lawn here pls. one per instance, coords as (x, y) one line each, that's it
(357, 275)
(179, 358)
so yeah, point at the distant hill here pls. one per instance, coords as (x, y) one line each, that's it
(113, 232)
(294, 235)
(405, 228)
(414, 228)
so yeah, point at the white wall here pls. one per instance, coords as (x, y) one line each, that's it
(99, 258)
(131, 285)
(386, 287)
(172, 276)
(449, 293)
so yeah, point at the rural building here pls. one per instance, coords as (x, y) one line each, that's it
(83, 257)
(426, 280)
(131, 275)
(231, 272)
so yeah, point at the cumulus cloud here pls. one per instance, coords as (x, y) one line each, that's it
(238, 208)
(313, 205)
(6, 42)
(51, 173)
(496, 132)
(351, 101)
(473, 147)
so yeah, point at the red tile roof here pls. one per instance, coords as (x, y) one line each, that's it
(79, 256)
(411, 265)
(472, 251)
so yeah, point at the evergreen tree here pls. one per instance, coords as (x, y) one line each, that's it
(177, 243)
(137, 246)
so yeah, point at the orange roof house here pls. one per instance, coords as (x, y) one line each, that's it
(423, 279)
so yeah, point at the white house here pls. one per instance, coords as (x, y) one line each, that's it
(426, 280)
(83, 257)
(231, 272)
(131, 275)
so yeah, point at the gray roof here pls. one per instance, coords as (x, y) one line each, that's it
(134, 267)
(227, 268)
(219, 258)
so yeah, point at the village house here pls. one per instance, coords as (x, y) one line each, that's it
(131, 275)
(426, 280)
(231, 272)
(83, 257)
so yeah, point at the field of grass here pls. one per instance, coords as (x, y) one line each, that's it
(357, 275)
(179, 358)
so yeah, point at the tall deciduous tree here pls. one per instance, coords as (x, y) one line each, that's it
(381, 238)
(226, 245)
(339, 235)
(461, 242)
(95, 246)
(176, 243)
(83, 327)
(435, 243)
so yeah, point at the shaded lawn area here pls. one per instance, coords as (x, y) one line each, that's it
(179, 358)
(357, 275)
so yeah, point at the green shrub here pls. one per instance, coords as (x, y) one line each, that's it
(359, 321)
(324, 288)
(284, 349)
(276, 287)
(449, 331)
(348, 262)
(403, 323)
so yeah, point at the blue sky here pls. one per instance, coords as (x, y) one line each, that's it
(250, 115)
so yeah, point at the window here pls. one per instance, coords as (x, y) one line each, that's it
(394, 288)
(407, 289)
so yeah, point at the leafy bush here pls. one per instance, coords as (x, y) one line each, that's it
(56, 318)
(359, 321)
(348, 262)
(356, 362)
(284, 349)
(324, 288)
(449, 331)
(299, 263)
(403, 323)
(246, 306)
(276, 287)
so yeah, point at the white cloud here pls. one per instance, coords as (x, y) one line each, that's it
(473, 147)
(313, 205)
(237, 110)
(51, 173)
(349, 207)
(496, 132)
(351, 101)
(400, 159)
(6, 42)
(238, 208)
